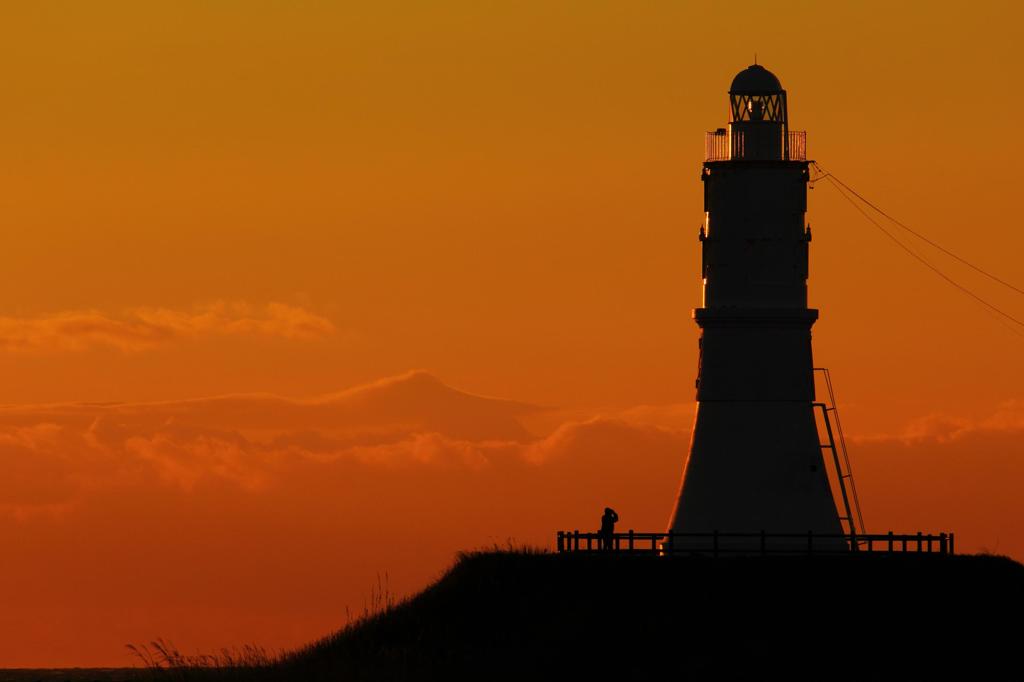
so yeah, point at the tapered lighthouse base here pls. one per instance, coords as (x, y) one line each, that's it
(755, 466)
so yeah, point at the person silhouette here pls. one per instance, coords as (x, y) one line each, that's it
(608, 527)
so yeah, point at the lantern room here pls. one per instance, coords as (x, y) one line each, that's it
(757, 96)
(758, 122)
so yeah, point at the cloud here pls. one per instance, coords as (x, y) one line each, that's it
(938, 473)
(144, 328)
(56, 454)
(65, 452)
(1008, 417)
(674, 416)
(947, 473)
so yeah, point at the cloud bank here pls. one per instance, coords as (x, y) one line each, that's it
(144, 328)
(58, 454)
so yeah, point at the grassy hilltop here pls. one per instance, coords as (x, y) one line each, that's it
(509, 615)
(525, 615)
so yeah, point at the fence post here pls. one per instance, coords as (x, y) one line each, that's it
(951, 552)
(561, 541)
(762, 542)
(576, 540)
(919, 541)
(890, 542)
(942, 543)
(714, 544)
(630, 540)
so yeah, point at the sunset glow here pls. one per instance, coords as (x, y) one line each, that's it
(297, 295)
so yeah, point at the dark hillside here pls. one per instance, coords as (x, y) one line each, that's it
(502, 616)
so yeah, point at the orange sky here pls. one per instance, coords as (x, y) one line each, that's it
(294, 199)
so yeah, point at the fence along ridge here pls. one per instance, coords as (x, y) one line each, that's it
(667, 544)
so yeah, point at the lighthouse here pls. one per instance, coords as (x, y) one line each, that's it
(755, 460)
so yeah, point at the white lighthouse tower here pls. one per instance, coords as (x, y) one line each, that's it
(755, 462)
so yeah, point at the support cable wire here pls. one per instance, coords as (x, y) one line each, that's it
(832, 178)
(840, 188)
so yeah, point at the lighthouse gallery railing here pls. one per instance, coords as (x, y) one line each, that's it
(720, 146)
(719, 544)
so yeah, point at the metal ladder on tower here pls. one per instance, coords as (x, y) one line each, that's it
(851, 505)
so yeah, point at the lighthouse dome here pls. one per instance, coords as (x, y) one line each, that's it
(755, 80)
